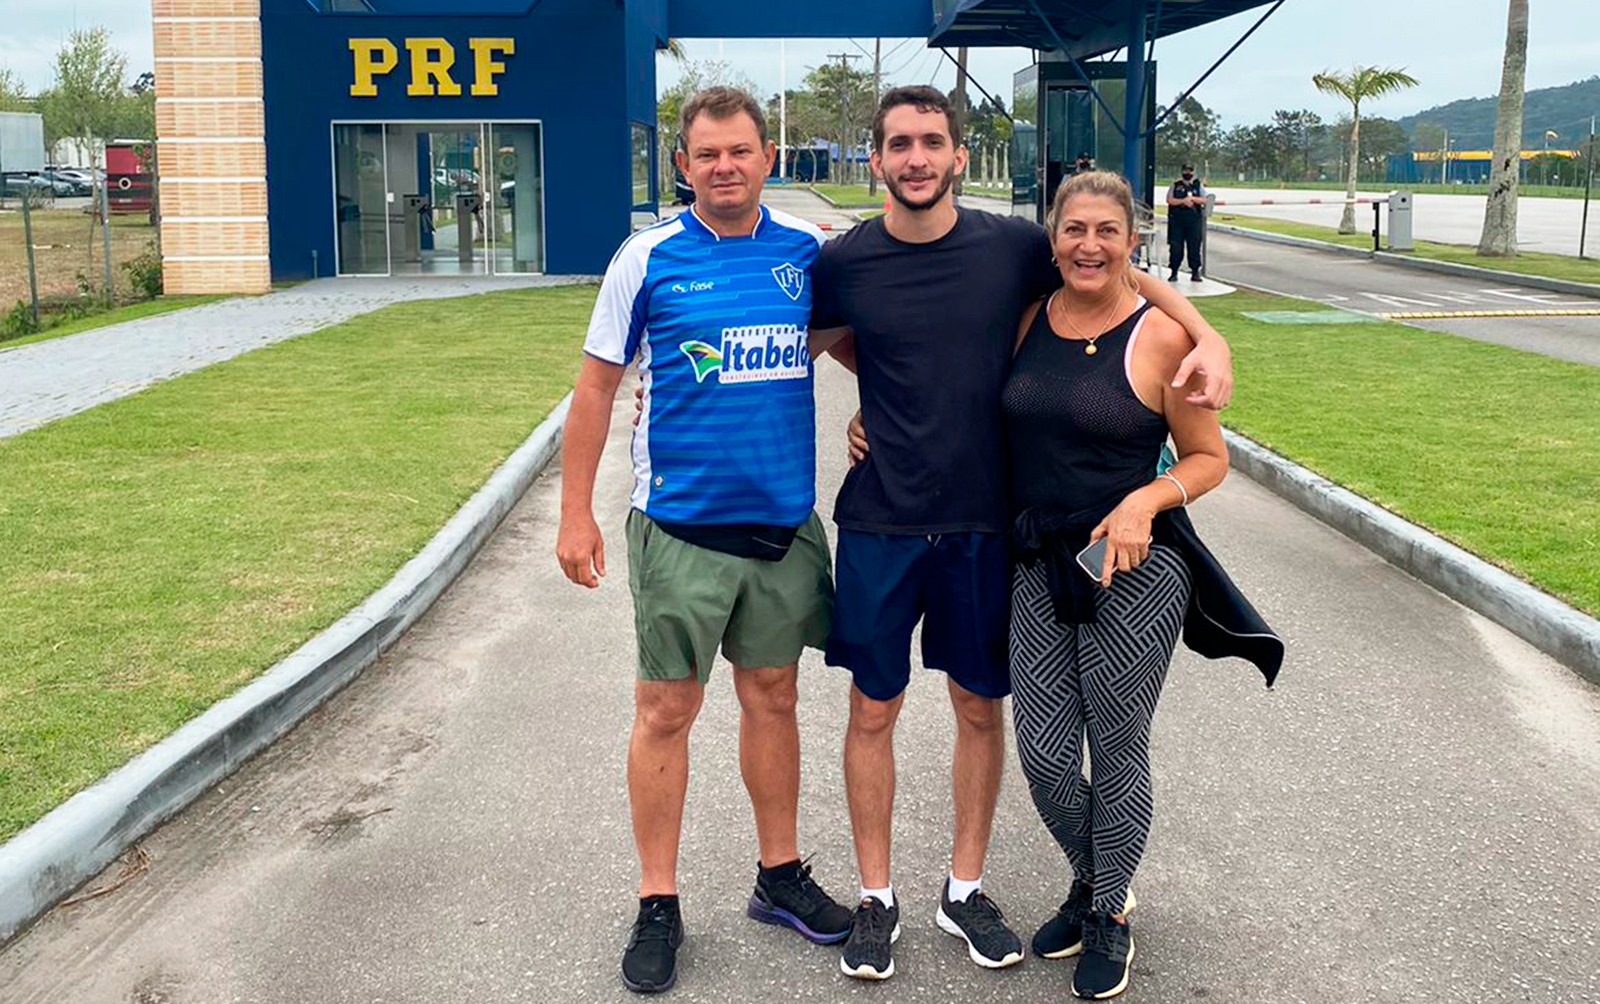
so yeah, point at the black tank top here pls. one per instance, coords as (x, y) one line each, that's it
(1080, 439)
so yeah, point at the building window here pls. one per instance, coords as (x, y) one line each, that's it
(644, 175)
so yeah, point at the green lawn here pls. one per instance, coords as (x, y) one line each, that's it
(1494, 449)
(856, 197)
(850, 196)
(1553, 266)
(164, 549)
(147, 308)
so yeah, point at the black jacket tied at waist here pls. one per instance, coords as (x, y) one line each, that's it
(1219, 621)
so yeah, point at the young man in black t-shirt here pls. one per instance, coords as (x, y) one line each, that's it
(927, 300)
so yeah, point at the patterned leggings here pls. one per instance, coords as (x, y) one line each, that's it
(1102, 681)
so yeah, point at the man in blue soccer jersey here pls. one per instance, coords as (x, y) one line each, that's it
(723, 546)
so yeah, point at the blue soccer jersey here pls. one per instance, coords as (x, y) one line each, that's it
(718, 326)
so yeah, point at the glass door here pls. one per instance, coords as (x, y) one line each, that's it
(459, 217)
(514, 195)
(361, 199)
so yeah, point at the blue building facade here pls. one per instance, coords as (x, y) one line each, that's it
(388, 124)
(519, 136)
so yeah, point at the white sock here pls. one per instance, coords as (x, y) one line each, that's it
(884, 895)
(960, 889)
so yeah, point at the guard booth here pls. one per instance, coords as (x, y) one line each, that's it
(1063, 109)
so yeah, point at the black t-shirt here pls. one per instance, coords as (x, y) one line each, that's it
(934, 327)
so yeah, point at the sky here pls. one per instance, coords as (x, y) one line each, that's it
(1453, 47)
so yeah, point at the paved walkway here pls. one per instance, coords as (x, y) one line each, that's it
(48, 380)
(1409, 816)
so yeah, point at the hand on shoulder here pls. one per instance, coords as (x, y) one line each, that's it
(1159, 351)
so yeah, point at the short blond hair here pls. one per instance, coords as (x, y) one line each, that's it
(1103, 183)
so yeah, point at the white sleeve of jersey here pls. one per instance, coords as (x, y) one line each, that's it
(613, 319)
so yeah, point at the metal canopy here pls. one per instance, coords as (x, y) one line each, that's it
(1088, 27)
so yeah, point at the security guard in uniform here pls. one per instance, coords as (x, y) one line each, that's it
(1186, 201)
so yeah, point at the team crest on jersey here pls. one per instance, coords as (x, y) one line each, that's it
(751, 354)
(791, 280)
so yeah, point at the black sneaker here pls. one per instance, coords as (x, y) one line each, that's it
(978, 922)
(1107, 958)
(789, 897)
(650, 962)
(874, 928)
(1061, 936)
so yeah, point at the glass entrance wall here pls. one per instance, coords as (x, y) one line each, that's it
(1057, 117)
(361, 209)
(516, 229)
(452, 198)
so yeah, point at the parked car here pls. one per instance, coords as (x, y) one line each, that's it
(36, 185)
(81, 182)
(69, 182)
(462, 178)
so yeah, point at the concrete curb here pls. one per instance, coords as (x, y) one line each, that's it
(45, 862)
(1538, 618)
(1425, 264)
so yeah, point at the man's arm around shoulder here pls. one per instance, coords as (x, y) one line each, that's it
(1211, 354)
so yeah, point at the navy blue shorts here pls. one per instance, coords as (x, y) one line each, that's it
(957, 584)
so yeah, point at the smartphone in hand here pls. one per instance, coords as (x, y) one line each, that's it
(1092, 559)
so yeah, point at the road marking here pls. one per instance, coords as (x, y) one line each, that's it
(1419, 315)
(1396, 301)
(1543, 299)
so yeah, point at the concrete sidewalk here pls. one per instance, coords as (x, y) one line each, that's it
(1410, 815)
(48, 380)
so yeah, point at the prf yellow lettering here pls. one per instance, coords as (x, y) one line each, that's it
(485, 66)
(372, 57)
(431, 57)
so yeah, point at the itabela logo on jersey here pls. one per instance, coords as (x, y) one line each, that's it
(791, 279)
(750, 354)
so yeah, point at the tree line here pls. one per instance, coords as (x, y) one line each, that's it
(92, 97)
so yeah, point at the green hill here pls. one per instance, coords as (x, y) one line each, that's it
(1564, 109)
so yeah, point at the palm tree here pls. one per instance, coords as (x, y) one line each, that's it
(1499, 238)
(1361, 83)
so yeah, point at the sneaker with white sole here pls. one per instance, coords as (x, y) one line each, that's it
(1061, 936)
(867, 953)
(978, 922)
(1107, 958)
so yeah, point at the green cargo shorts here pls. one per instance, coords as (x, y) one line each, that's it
(689, 599)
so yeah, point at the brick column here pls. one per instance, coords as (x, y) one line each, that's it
(211, 144)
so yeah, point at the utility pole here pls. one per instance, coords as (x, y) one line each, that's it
(961, 97)
(877, 92)
(844, 100)
(1588, 182)
(783, 108)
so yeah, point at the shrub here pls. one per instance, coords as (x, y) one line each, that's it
(144, 273)
(18, 321)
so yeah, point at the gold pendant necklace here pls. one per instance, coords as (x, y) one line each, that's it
(1089, 348)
